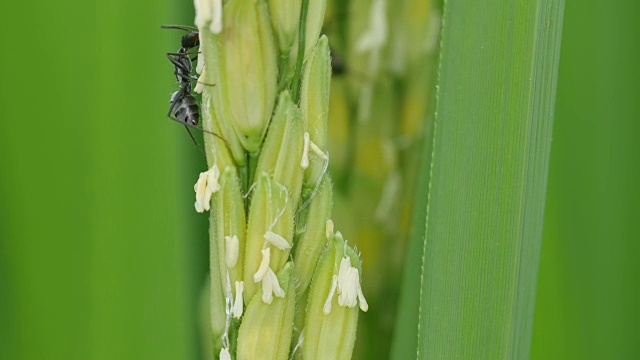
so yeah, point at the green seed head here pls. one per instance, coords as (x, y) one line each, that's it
(218, 150)
(315, 19)
(285, 19)
(269, 234)
(208, 340)
(332, 314)
(228, 228)
(217, 302)
(283, 148)
(266, 329)
(275, 150)
(313, 237)
(244, 62)
(314, 103)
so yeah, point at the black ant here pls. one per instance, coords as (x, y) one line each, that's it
(183, 104)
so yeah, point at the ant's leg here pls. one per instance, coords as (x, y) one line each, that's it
(177, 120)
(195, 58)
(193, 139)
(187, 126)
(179, 95)
(193, 78)
(188, 77)
(195, 142)
(184, 54)
(181, 66)
(198, 128)
(214, 134)
(177, 63)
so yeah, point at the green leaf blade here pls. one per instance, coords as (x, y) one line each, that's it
(494, 113)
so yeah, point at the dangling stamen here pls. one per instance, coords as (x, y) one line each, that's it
(264, 265)
(326, 309)
(238, 302)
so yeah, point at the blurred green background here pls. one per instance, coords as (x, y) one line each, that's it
(101, 252)
(102, 255)
(587, 304)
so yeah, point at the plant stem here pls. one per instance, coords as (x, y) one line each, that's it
(302, 37)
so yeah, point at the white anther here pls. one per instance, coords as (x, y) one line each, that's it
(328, 229)
(199, 88)
(216, 21)
(224, 354)
(277, 290)
(212, 181)
(232, 250)
(267, 289)
(270, 287)
(203, 12)
(304, 163)
(326, 309)
(264, 265)
(348, 286)
(345, 265)
(209, 11)
(277, 240)
(238, 302)
(203, 194)
(361, 300)
(200, 69)
(200, 66)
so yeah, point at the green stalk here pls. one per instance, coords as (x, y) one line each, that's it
(302, 37)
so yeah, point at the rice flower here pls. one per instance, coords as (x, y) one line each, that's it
(266, 328)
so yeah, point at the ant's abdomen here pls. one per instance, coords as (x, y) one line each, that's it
(187, 111)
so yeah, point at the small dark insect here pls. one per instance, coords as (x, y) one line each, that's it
(338, 66)
(184, 108)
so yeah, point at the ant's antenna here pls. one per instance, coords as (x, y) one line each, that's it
(180, 27)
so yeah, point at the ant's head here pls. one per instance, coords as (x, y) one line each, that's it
(190, 40)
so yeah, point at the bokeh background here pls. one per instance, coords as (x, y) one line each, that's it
(103, 257)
